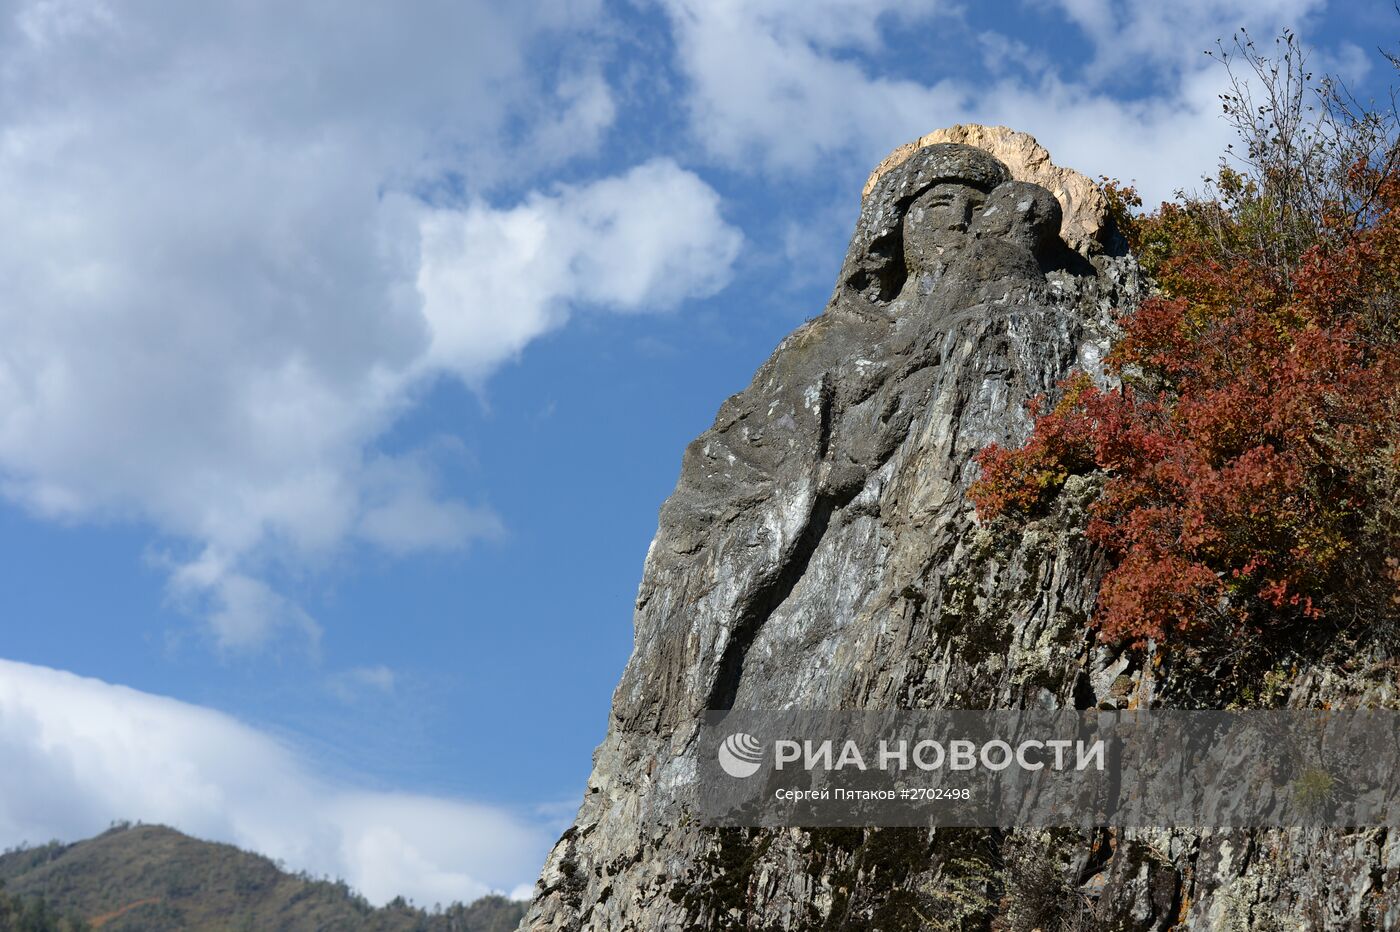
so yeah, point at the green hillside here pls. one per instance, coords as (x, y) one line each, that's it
(154, 879)
(32, 914)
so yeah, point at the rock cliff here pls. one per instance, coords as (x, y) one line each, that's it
(819, 552)
(1085, 225)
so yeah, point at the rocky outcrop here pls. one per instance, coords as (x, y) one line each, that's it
(1085, 209)
(819, 552)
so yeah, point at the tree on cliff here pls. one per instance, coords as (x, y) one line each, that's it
(1250, 444)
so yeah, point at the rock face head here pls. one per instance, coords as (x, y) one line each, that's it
(1086, 211)
(819, 552)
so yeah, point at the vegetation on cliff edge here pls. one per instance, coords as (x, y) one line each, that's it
(1249, 425)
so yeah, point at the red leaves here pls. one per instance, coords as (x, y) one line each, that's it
(1253, 446)
(1027, 478)
(1151, 594)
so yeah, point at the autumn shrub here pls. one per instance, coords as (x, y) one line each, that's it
(1250, 439)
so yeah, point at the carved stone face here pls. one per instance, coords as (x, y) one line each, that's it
(1022, 213)
(938, 220)
(915, 214)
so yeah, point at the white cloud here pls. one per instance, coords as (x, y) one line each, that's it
(213, 247)
(358, 682)
(80, 753)
(242, 612)
(587, 107)
(770, 89)
(783, 85)
(493, 280)
(402, 510)
(1169, 36)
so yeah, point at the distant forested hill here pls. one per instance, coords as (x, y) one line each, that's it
(154, 879)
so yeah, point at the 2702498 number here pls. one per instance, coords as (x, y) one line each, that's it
(939, 792)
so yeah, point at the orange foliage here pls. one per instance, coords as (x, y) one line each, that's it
(1252, 451)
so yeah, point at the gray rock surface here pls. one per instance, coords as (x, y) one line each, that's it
(819, 552)
(1086, 209)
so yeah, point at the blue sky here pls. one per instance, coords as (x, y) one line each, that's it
(346, 359)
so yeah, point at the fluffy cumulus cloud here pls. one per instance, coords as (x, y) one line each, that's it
(239, 239)
(80, 753)
(1143, 33)
(642, 241)
(781, 84)
(784, 85)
